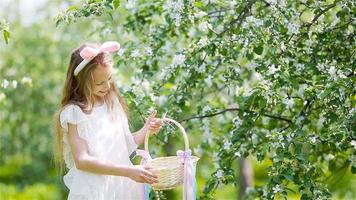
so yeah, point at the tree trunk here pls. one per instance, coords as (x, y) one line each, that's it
(246, 176)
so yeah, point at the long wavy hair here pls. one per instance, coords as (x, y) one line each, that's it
(77, 90)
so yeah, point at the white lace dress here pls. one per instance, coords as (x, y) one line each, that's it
(108, 141)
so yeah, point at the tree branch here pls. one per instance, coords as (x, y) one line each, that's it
(239, 18)
(235, 109)
(321, 13)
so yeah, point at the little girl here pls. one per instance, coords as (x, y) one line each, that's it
(93, 139)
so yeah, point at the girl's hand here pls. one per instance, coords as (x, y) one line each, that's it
(142, 174)
(153, 125)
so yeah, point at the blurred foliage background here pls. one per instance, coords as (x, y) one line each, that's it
(34, 54)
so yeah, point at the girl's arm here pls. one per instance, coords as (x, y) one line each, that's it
(84, 161)
(152, 125)
(140, 135)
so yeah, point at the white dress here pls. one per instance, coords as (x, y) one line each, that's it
(107, 141)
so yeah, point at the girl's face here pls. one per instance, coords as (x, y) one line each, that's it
(102, 78)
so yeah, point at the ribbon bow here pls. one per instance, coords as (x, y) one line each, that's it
(89, 53)
(146, 157)
(189, 182)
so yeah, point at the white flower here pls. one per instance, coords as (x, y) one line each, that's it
(204, 26)
(292, 28)
(148, 51)
(332, 73)
(153, 97)
(26, 80)
(301, 90)
(14, 83)
(192, 32)
(179, 97)
(320, 122)
(276, 189)
(273, 2)
(219, 174)
(353, 160)
(130, 4)
(280, 138)
(161, 100)
(206, 109)
(174, 8)
(135, 80)
(178, 5)
(299, 120)
(256, 22)
(329, 157)
(237, 121)
(289, 138)
(200, 14)
(227, 145)
(198, 151)
(289, 102)
(121, 52)
(216, 156)
(252, 66)
(203, 42)
(178, 60)
(282, 3)
(178, 19)
(250, 19)
(272, 70)
(146, 85)
(200, 69)
(283, 46)
(135, 53)
(264, 192)
(207, 135)
(265, 120)
(353, 143)
(5, 83)
(300, 67)
(254, 138)
(320, 67)
(313, 139)
(237, 154)
(208, 81)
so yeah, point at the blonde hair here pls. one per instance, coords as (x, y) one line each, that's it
(77, 90)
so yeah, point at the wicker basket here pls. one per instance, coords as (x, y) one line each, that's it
(169, 169)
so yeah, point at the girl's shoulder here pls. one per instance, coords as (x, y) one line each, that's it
(71, 113)
(71, 107)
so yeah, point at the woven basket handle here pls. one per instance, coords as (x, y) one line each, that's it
(185, 137)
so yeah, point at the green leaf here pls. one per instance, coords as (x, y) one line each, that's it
(198, 4)
(72, 8)
(305, 197)
(116, 3)
(258, 50)
(6, 35)
(353, 169)
(307, 16)
(324, 94)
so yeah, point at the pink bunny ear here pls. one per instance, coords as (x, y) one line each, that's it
(110, 46)
(88, 53)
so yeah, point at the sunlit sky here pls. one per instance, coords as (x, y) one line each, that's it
(29, 11)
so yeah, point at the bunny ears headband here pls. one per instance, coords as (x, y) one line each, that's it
(89, 53)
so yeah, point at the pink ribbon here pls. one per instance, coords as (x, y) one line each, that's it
(189, 184)
(88, 53)
(146, 157)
